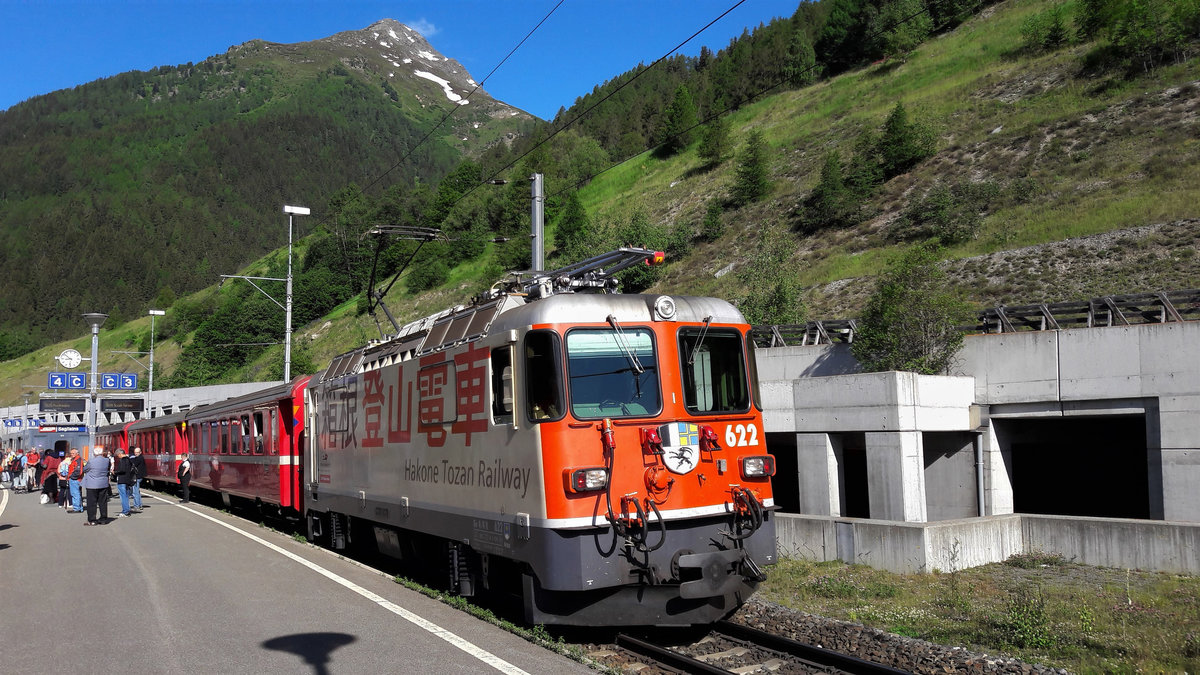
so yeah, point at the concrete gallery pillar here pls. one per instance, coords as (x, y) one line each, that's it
(819, 457)
(1173, 443)
(896, 476)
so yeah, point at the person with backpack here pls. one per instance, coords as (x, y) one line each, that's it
(74, 478)
(184, 474)
(64, 475)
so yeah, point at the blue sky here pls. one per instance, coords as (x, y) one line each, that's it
(46, 45)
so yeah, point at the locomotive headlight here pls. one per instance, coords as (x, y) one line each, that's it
(759, 466)
(664, 307)
(587, 480)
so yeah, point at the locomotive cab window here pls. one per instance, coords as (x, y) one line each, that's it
(543, 382)
(612, 374)
(714, 370)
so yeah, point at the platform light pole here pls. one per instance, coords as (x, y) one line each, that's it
(287, 345)
(95, 319)
(287, 305)
(150, 387)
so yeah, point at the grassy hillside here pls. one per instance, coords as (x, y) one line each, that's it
(1079, 155)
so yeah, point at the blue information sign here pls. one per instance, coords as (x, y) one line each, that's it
(57, 381)
(76, 380)
(118, 380)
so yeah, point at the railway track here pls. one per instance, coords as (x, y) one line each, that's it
(733, 648)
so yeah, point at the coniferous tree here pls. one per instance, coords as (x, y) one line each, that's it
(801, 68)
(831, 203)
(902, 145)
(714, 142)
(572, 233)
(751, 182)
(713, 227)
(676, 129)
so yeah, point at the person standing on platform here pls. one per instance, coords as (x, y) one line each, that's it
(74, 477)
(50, 484)
(139, 472)
(95, 481)
(29, 465)
(184, 474)
(64, 476)
(123, 472)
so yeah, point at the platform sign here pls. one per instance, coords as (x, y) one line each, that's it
(118, 380)
(76, 380)
(56, 381)
(62, 405)
(122, 405)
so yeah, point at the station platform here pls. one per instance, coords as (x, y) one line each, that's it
(184, 588)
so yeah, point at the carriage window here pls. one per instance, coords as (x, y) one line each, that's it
(502, 389)
(612, 374)
(247, 442)
(543, 386)
(714, 371)
(269, 434)
(224, 437)
(257, 433)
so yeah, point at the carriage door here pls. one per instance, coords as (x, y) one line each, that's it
(306, 445)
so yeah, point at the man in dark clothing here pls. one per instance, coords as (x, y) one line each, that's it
(123, 472)
(139, 472)
(185, 476)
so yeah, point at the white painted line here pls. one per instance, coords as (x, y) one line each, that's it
(461, 643)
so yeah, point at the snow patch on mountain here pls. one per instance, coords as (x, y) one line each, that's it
(450, 93)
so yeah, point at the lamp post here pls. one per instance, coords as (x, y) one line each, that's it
(150, 387)
(287, 345)
(95, 319)
(287, 305)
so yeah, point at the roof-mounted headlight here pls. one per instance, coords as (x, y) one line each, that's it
(664, 308)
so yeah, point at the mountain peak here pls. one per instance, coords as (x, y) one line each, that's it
(405, 53)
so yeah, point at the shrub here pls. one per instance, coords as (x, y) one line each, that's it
(1025, 623)
(910, 322)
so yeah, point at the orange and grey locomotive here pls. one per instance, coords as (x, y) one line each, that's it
(601, 455)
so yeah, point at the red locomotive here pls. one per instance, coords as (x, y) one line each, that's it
(602, 454)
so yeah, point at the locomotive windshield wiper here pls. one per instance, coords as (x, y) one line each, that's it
(623, 343)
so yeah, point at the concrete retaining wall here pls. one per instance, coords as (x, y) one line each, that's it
(959, 544)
